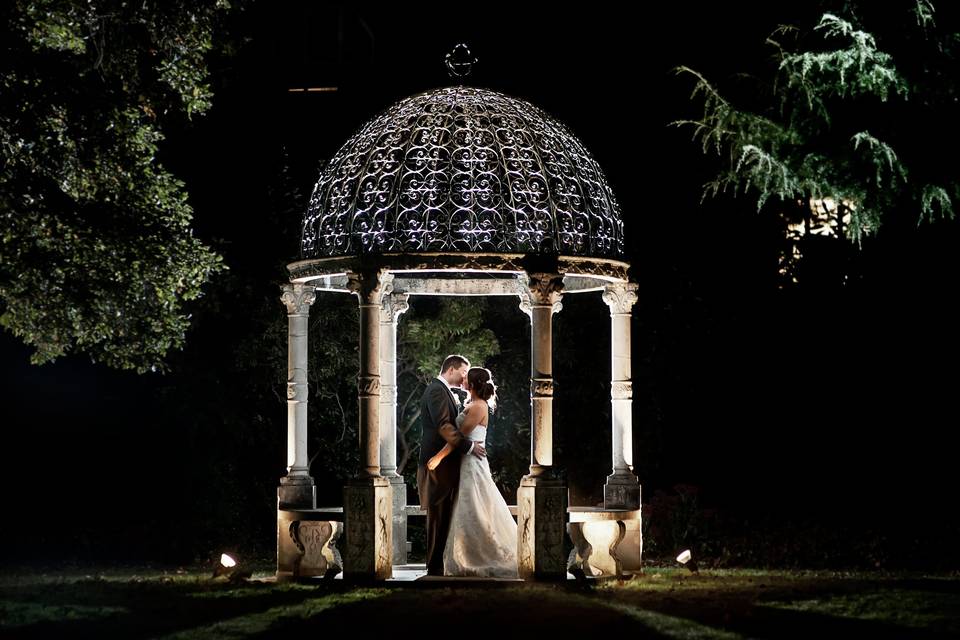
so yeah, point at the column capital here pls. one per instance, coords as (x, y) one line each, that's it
(620, 297)
(394, 306)
(370, 285)
(540, 289)
(297, 298)
(524, 295)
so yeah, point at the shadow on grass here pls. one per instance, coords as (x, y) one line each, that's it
(786, 606)
(147, 608)
(671, 605)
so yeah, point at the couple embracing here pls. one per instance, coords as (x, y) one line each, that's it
(470, 531)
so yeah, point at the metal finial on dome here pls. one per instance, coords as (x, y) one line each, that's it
(460, 61)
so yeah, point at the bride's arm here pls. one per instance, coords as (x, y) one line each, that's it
(472, 418)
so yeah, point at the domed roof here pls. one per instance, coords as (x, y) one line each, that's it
(461, 169)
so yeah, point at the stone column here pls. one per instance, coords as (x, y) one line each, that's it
(622, 488)
(367, 502)
(542, 496)
(394, 304)
(296, 488)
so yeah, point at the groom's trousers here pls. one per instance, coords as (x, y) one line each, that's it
(437, 499)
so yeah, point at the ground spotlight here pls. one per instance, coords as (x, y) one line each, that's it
(230, 569)
(686, 559)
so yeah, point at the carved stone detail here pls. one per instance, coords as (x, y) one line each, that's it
(370, 285)
(545, 290)
(541, 388)
(604, 548)
(394, 305)
(368, 386)
(524, 294)
(489, 262)
(541, 509)
(298, 298)
(620, 297)
(368, 519)
(612, 269)
(622, 496)
(296, 391)
(315, 541)
(621, 390)
(388, 394)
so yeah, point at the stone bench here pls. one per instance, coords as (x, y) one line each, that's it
(306, 542)
(606, 542)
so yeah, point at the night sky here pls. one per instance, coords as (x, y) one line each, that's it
(822, 401)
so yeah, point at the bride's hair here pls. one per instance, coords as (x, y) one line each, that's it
(481, 382)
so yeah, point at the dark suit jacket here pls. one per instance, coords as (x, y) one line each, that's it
(438, 414)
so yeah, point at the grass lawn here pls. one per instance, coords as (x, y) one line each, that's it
(663, 603)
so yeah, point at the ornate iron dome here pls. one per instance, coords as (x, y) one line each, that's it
(461, 169)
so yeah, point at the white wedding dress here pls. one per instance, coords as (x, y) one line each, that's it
(483, 535)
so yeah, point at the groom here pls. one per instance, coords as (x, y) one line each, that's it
(438, 488)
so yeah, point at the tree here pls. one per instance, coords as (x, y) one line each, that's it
(850, 124)
(424, 341)
(97, 251)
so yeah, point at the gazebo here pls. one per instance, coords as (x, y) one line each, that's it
(467, 192)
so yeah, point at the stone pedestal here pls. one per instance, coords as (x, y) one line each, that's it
(606, 542)
(541, 519)
(399, 533)
(296, 492)
(368, 549)
(621, 492)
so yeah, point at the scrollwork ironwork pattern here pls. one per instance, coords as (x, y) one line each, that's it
(462, 169)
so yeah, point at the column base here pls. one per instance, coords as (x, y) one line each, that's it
(541, 527)
(297, 492)
(399, 488)
(621, 492)
(368, 509)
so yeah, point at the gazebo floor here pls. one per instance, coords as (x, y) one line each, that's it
(417, 573)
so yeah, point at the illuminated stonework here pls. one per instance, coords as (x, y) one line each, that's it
(461, 169)
(464, 192)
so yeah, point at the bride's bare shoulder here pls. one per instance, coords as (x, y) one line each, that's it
(478, 407)
(479, 404)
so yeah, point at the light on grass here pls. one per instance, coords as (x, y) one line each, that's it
(686, 559)
(227, 561)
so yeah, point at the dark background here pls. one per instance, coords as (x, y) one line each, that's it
(821, 408)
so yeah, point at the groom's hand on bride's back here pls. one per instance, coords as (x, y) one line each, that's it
(479, 451)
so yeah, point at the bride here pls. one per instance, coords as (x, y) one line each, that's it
(483, 536)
